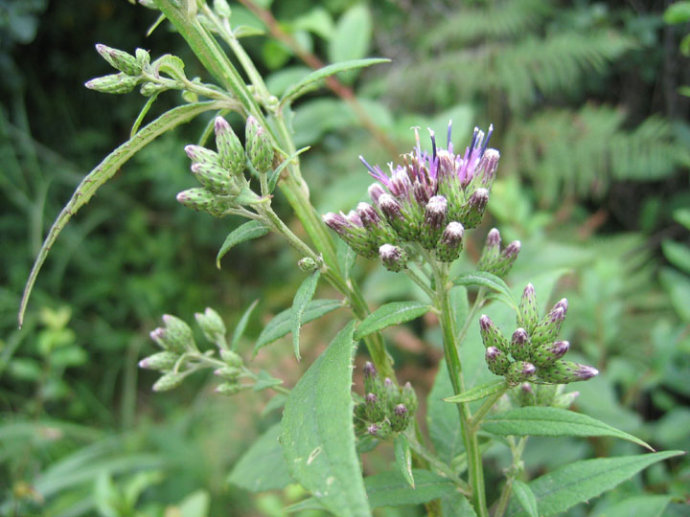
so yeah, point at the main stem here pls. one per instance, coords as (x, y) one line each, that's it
(450, 350)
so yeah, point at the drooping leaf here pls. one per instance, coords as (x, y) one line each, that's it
(392, 489)
(390, 314)
(263, 466)
(403, 458)
(103, 172)
(478, 392)
(303, 296)
(550, 421)
(317, 433)
(313, 80)
(523, 494)
(245, 232)
(489, 281)
(279, 326)
(242, 325)
(577, 482)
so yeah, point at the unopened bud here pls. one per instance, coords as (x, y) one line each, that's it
(369, 369)
(178, 335)
(505, 261)
(520, 345)
(473, 211)
(113, 83)
(393, 257)
(199, 154)
(231, 358)
(119, 59)
(546, 394)
(497, 361)
(525, 395)
(547, 354)
(528, 313)
(258, 146)
(564, 372)
(409, 398)
(492, 336)
(212, 177)
(434, 219)
(307, 264)
(161, 361)
(375, 192)
(228, 388)
(142, 56)
(519, 371)
(565, 400)
(229, 147)
(228, 373)
(369, 217)
(450, 244)
(198, 199)
(400, 418)
(211, 325)
(168, 381)
(549, 327)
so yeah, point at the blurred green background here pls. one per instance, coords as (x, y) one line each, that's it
(587, 101)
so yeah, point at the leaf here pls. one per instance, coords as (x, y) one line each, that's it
(403, 458)
(245, 232)
(275, 175)
(677, 286)
(103, 172)
(303, 296)
(678, 12)
(639, 506)
(279, 326)
(352, 35)
(312, 80)
(677, 254)
(456, 505)
(577, 482)
(170, 65)
(263, 466)
(526, 498)
(390, 314)
(682, 216)
(549, 421)
(489, 281)
(391, 488)
(265, 380)
(317, 432)
(444, 426)
(142, 114)
(478, 392)
(242, 325)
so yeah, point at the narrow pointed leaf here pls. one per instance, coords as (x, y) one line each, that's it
(478, 392)
(549, 421)
(581, 481)
(303, 296)
(279, 326)
(639, 506)
(392, 489)
(103, 172)
(242, 325)
(312, 81)
(317, 433)
(390, 314)
(489, 281)
(262, 467)
(403, 458)
(275, 175)
(245, 232)
(523, 494)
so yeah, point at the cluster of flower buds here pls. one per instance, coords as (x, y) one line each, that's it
(550, 395)
(532, 353)
(130, 68)
(386, 409)
(221, 172)
(493, 259)
(181, 357)
(431, 199)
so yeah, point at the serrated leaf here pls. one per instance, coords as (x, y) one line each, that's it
(478, 392)
(523, 494)
(303, 296)
(242, 325)
(103, 172)
(392, 489)
(263, 466)
(489, 281)
(279, 326)
(577, 482)
(245, 232)
(390, 314)
(311, 81)
(317, 433)
(549, 421)
(403, 458)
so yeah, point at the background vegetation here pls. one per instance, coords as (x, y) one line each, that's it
(587, 102)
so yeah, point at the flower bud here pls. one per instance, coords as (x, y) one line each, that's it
(369, 370)
(434, 219)
(380, 429)
(549, 327)
(545, 355)
(546, 394)
(393, 212)
(142, 56)
(231, 358)
(520, 345)
(409, 398)
(473, 210)
(149, 89)
(160, 361)
(564, 372)
(519, 371)
(178, 335)
(229, 147)
(505, 262)
(211, 325)
(528, 314)
(375, 192)
(394, 258)
(491, 251)
(198, 199)
(497, 361)
(375, 408)
(525, 395)
(168, 381)
(450, 244)
(307, 264)
(400, 418)
(565, 400)
(199, 154)
(492, 336)
(229, 388)
(258, 146)
(113, 83)
(228, 373)
(215, 179)
(119, 60)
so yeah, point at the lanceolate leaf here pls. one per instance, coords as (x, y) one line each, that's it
(245, 232)
(489, 281)
(262, 467)
(302, 297)
(403, 458)
(392, 489)
(639, 506)
(103, 172)
(279, 326)
(242, 325)
(523, 494)
(317, 432)
(549, 421)
(313, 79)
(562, 489)
(390, 314)
(478, 392)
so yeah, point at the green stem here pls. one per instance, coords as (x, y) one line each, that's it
(486, 407)
(513, 473)
(450, 349)
(438, 465)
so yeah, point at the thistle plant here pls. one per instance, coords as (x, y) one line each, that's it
(422, 211)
